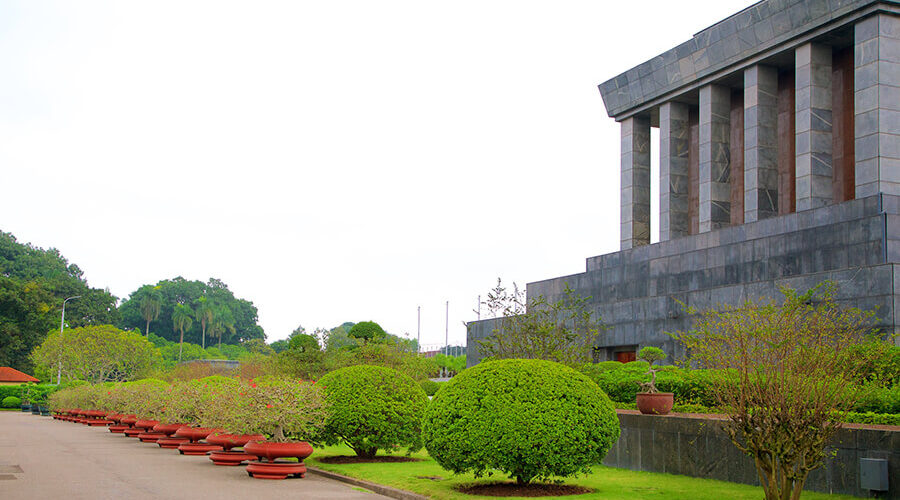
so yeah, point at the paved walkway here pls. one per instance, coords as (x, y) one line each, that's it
(45, 458)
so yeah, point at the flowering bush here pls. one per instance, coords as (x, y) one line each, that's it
(283, 409)
(144, 398)
(86, 397)
(193, 402)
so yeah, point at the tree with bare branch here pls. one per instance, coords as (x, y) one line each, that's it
(785, 378)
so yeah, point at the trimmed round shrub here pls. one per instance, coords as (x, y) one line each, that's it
(11, 402)
(531, 419)
(372, 408)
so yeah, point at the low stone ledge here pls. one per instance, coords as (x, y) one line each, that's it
(377, 488)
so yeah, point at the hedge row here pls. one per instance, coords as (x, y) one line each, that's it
(40, 391)
(621, 381)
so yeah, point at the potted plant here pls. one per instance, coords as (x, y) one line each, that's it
(143, 398)
(287, 411)
(220, 414)
(187, 401)
(650, 401)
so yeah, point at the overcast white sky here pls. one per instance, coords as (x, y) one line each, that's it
(331, 161)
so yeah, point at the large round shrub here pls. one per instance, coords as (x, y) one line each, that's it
(372, 408)
(531, 419)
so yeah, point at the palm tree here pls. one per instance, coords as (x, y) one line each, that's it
(204, 313)
(150, 305)
(182, 319)
(222, 320)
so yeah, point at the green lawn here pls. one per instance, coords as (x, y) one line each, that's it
(607, 482)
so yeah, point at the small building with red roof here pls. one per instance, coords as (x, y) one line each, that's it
(11, 376)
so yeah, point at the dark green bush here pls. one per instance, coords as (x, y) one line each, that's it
(870, 418)
(372, 408)
(11, 402)
(622, 383)
(430, 386)
(531, 419)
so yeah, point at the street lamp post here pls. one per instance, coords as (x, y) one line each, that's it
(62, 322)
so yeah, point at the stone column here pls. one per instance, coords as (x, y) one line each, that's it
(674, 141)
(715, 157)
(760, 143)
(635, 215)
(813, 121)
(877, 105)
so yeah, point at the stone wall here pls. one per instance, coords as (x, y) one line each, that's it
(641, 293)
(700, 448)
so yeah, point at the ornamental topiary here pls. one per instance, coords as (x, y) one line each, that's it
(372, 408)
(529, 418)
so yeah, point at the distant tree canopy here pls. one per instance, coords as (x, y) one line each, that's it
(235, 320)
(33, 285)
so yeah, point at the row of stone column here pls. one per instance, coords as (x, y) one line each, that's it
(877, 143)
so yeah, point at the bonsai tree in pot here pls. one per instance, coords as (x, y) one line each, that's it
(650, 401)
(288, 412)
(191, 402)
(144, 398)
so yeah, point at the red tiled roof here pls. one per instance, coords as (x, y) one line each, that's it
(8, 374)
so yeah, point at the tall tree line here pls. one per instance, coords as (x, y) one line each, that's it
(217, 316)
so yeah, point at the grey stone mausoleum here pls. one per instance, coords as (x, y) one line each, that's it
(779, 164)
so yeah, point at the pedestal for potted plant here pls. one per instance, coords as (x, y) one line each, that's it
(655, 403)
(195, 435)
(271, 468)
(231, 455)
(165, 439)
(120, 423)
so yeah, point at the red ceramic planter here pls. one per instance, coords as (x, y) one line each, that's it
(150, 437)
(229, 441)
(132, 432)
(171, 443)
(146, 424)
(655, 403)
(129, 420)
(98, 422)
(270, 451)
(118, 429)
(231, 458)
(197, 448)
(276, 470)
(195, 433)
(167, 429)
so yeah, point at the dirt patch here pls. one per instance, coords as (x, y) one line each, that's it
(506, 489)
(353, 459)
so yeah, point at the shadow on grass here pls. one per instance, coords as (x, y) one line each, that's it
(511, 489)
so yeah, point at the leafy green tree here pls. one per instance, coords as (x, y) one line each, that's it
(182, 319)
(222, 321)
(97, 353)
(279, 345)
(205, 311)
(151, 303)
(338, 338)
(27, 312)
(36, 283)
(367, 331)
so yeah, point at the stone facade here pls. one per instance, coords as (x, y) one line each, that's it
(779, 158)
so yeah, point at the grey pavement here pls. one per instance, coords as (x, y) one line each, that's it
(45, 458)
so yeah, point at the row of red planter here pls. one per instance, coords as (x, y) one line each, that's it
(260, 456)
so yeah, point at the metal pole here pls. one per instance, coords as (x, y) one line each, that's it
(447, 330)
(479, 308)
(418, 329)
(62, 322)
